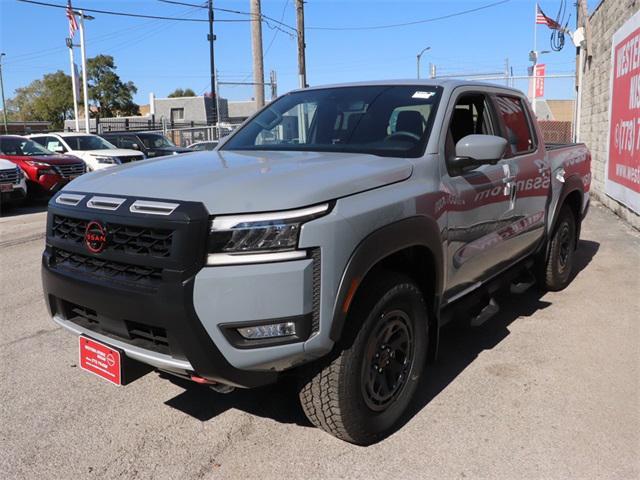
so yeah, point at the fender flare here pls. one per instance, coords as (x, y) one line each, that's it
(571, 184)
(410, 232)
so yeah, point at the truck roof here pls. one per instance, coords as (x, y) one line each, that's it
(449, 83)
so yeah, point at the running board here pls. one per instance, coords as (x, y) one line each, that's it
(522, 283)
(486, 313)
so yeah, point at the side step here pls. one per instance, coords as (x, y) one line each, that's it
(486, 313)
(523, 283)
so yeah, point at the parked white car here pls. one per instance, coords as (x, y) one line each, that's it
(96, 152)
(13, 185)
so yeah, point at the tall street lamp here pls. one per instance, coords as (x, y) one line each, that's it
(418, 59)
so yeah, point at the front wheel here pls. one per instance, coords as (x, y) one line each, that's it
(362, 394)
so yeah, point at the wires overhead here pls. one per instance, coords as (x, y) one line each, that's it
(266, 19)
(415, 22)
(557, 36)
(127, 14)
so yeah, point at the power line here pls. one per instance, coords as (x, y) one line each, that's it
(264, 17)
(415, 22)
(135, 15)
(275, 34)
(98, 39)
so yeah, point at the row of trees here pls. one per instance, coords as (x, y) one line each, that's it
(51, 97)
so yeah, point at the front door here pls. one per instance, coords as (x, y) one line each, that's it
(481, 204)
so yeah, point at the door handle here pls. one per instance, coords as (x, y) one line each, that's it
(509, 179)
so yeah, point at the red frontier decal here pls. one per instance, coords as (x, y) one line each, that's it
(95, 237)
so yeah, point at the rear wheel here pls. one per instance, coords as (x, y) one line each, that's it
(557, 271)
(361, 395)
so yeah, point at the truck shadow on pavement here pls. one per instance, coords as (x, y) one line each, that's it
(459, 347)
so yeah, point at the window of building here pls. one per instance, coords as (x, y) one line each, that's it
(177, 114)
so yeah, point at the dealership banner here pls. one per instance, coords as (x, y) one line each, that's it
(623, 162)
(539, 76)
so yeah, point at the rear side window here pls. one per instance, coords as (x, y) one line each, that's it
(517, 129)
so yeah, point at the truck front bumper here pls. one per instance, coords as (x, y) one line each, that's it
(158, 328)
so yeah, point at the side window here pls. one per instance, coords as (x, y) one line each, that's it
(517, 129)
(128, 141)
(471, 115)
(54, 145)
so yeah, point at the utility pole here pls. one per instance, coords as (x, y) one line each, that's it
(4, 107)
(212, 66)
(302, 68)
(83, 54)
(256, 48)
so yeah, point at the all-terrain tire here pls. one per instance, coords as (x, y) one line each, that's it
(342, 396)
(558, 269)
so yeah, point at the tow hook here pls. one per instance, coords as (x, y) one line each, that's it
(218, 387)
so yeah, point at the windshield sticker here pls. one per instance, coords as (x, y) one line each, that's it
(425, 95)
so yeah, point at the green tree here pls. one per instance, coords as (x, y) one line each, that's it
(49, 99)
(109, 94)
(178, 92)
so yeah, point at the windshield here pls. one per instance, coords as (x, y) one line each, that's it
(381, 120)
(151, 140)
(88, 142)
(22, 146)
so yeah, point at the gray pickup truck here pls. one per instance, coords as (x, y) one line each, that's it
(330, 237)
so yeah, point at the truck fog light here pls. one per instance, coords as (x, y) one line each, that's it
(268, 331)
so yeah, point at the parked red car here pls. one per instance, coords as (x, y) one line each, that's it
(46, 171)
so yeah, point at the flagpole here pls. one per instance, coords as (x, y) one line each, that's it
(84, 73)
(74, 87)
(535, 57)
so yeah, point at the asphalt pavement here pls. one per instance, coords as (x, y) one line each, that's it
(549, 388)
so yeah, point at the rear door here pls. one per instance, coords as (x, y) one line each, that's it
(529, 172)
(480, 204)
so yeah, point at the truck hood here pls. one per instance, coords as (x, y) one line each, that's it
(248, 181)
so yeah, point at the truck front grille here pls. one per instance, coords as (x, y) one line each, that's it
(10, 176)
(128, 239)
(106, 268)
(72, 169)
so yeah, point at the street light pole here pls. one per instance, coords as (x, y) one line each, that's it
(83, 55)
(418, 60)
(4, 107)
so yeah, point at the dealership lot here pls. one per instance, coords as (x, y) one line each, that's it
(549, 388)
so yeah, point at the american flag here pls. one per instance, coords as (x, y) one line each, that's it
(544, 20)
(73, 24)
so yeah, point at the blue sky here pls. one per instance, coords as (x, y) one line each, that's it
(159, 56)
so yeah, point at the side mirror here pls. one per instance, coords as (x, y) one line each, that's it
(135, 146)
(58, 149)
(476, 150)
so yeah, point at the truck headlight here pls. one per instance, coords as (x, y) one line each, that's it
(260, 237)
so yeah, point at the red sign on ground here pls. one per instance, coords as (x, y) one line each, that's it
(539, 83)
(97, 358)
(623, 162)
